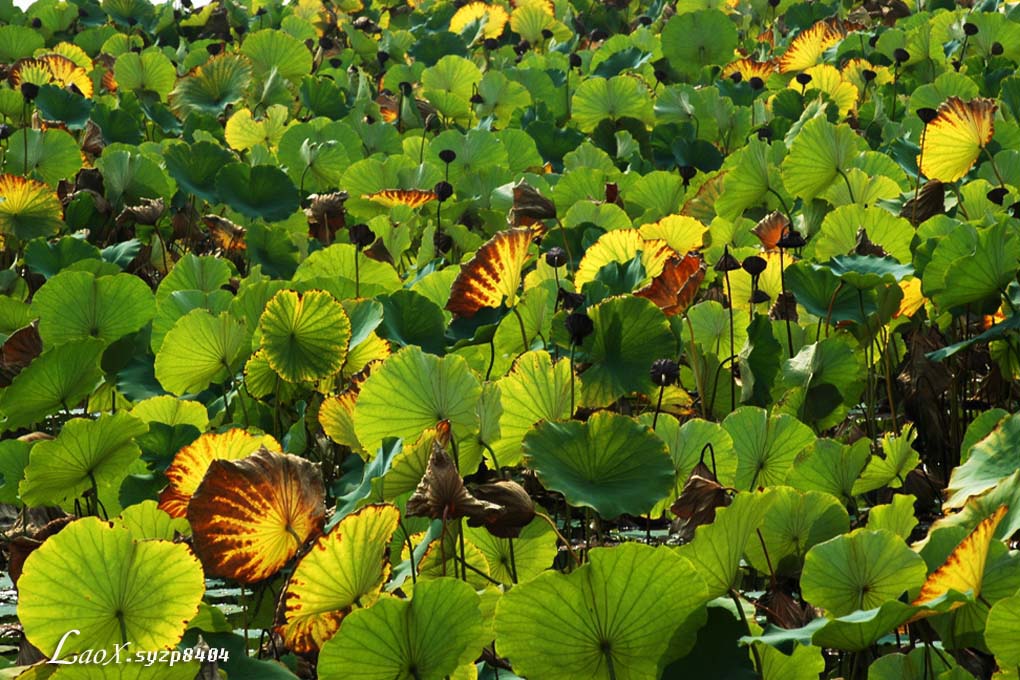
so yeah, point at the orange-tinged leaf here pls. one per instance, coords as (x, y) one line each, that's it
(391, 198)
(249, 517)
(492, 274)
(770, 229)
(806, 49)
(964, 569)
(495, 18)
(674, 289)
(28, 208)
(344, 568)
(622, 245)
(188, 468)
(954, 139)
(51, 68)
(750, 68)
(913, 298)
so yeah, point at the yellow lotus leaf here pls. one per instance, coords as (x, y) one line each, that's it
(345, 568)
(189, 466)
(623, 245)
(391, 198)
(495, 17)
(806, 49)
(827, 79)
(964, 569)
(682, 233)
(954, 139)
(249, 517)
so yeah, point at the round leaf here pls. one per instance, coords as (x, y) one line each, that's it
(694, 40)
(74, 305)
(262, 191)
(305, 336)
(199, 350)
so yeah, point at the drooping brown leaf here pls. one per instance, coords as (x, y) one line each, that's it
(930, 201)
(865, 246)
(441, 493)
(228, 236)
(674, 289)
(783, 610)
(697, 502)
(92, 139)
(18, 351)
(147, 212)
(770, 229)
(784, 308)
(250, 516)
(530, 206)
(326, 215)
(516, 508)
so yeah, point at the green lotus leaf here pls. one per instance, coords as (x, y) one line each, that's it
(126, 671)
(262, 191)
(611, 463)
(56, 103)
(718, 547)
(694, 40)
(531, 554)
(897, 517)
(73, 306)
(191, 272)
(212, 87)
(410, 318)
(892, 468)
(181, 302)
(754, 176)
(86, 454)
(822, 293)
(199, 350)
(853, 632)
(424, 638)
(766, 447)
(49, 259)
(129, 177)
(805, 663)
(271, 50)
(595, 621)
(59, 378)
(599, 99)
(428, 389)
(148, 71)
(449, 84)
(991, 460)
(317, 157)
(630, 333)
(796, 522)
(17, 42)
(919, 664)
(194, 167)
(146, 522)
(760, 362)
(332, 269)
(50, 155)
(114, 588)
(818, 154)
(1000, 631)
(29, 209)
(305, 336)
(534, 391)
(14, 455)
(868, 271)
(692, 442)
(860, 571)
(981, 274)
(832, 374)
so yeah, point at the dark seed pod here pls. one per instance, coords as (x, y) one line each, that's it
(260, 12)
(490, 44)
(873, 40)
(754, 265)
(579, 326)
(382, 56)
(756, 83)
(326, 43)
(37, 23)
(477, 99)
(5, 131)
(726, 263)
(448, 155)
(568, 300)
(868, 75)
(996, 49)
(406, 88)
(336, 62)
(660, 75)
(522, 47)
(361, 236)
(687, 172)
(790, 240)
(546, 33)
(765, 134)
(774, 3)
(759, 296)
(214, 48)
(736, 76)
(575, 60)
(664, 372)
(900, 55)
(644, 20)
(443, 190)
(803, 79)
(556, 257)
(970, 29)
(29, 91)
(997, 195)
(598, 35)
(926, 114)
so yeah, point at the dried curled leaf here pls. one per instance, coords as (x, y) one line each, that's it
(441, 493)
(516, 508)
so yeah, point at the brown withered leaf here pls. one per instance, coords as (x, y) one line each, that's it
(147, 212)
(92, 141)
(492, 274)
(516, 508)
(770, 229)
(865, 246)
(18, 351)
(674, 289)
(441, 493)
(930, 201)
(530, 206)
(228, 236)
(784, 308)
(326, 215)
(782, 610)
(697, 502)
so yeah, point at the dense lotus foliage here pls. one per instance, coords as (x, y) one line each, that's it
(545, 339)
